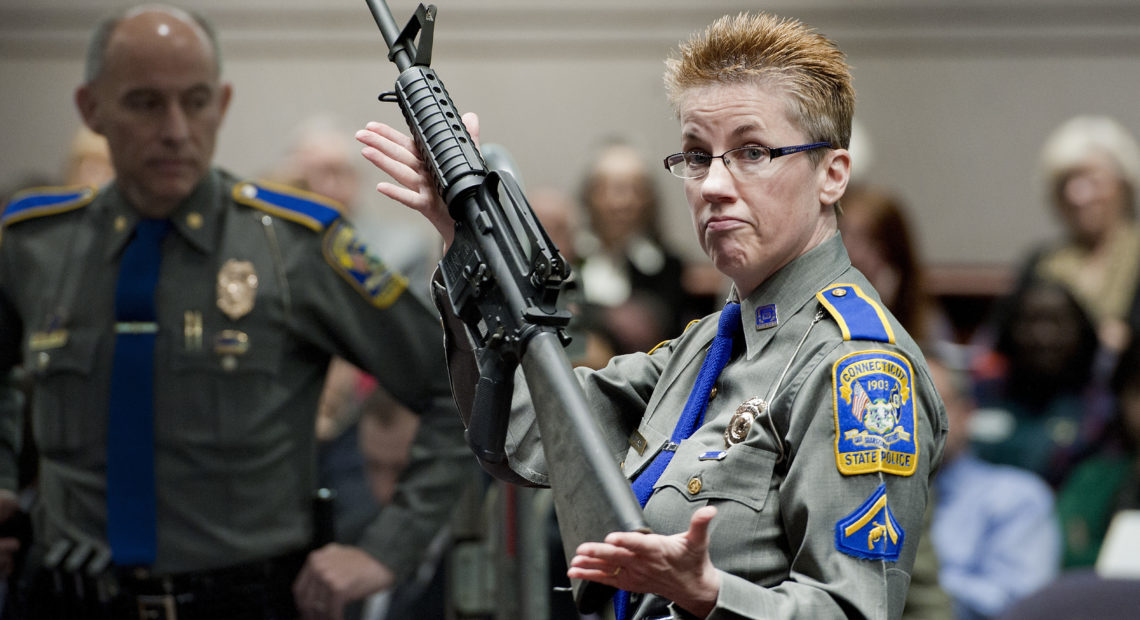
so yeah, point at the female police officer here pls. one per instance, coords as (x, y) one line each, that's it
(801, 492)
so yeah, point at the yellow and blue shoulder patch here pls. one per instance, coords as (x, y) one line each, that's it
(42, 201)
(859, 316)
(871, 532)
(346, 252)
(874, 414)
(306, 208)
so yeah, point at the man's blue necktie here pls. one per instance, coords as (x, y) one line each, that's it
(691, 417)
(131, 503)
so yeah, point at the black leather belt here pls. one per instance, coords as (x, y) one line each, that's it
(259, 590)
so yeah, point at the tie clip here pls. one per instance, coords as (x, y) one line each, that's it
(138, 327)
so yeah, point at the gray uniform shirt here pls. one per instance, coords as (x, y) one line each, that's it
(779, 492)
(236, 387)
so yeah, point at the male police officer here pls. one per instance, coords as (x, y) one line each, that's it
(178, 323)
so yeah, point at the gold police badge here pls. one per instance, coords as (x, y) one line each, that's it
(742, 420)
(237, 288)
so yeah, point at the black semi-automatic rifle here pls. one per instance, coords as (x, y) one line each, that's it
(503, 275)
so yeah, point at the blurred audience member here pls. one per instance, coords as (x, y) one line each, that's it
(1108, 481)
(624, 264)
(320, 160)
(88, 160)
(994, 528)
(558, 213)
(386, 432)
(1091, 169)
(1042, 394)
(592, 343)
(882, 245)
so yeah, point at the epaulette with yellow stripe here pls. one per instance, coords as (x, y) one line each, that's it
(859, 317)
(305, 208)
(43, 201)
(666, 342)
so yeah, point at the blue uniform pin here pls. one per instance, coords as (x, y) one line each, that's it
(766, 316)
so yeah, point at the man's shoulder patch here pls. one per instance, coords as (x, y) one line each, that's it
(43, 201)
(306, 208)
(859, 317)
(871, 532)
(873, 396)
(348, 256)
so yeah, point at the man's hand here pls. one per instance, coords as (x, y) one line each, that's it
(334, 576)
(676, 567)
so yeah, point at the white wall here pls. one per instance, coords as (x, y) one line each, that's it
(957, 96)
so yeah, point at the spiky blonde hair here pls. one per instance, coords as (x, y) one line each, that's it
(762, 48)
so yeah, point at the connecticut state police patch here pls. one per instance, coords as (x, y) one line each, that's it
(874, 414)
(347, 254)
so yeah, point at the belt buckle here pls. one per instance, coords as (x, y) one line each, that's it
(157, 607)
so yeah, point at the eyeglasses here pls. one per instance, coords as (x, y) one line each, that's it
(746, 159)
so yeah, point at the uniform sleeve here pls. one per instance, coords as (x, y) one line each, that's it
(617, 396)
(11, 397)
(372, 320)
(830, 518)
(12, 404)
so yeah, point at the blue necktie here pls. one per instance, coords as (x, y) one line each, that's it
(131, 502)
(691, 417)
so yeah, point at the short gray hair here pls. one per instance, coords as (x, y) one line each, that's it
(97, 48)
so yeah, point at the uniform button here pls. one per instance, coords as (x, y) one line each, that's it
(229, 363)
(43, 359)
(694, 485)
(712, 394)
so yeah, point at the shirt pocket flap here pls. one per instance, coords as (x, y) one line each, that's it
(741, 474)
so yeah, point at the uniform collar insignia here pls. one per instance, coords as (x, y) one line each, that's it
(766, 317)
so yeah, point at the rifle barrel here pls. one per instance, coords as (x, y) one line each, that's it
(391, 31)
